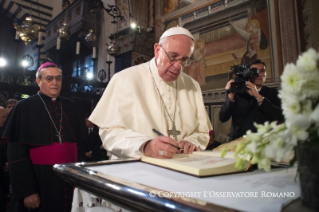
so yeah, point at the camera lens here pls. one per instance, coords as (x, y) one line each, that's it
(254, 71)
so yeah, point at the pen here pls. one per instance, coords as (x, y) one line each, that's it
(160, 134)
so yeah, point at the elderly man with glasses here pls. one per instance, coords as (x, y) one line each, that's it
(41, 131)
(155, 95)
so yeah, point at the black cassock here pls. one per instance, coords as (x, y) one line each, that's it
(34, 148)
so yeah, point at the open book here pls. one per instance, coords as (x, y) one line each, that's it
(202, 163)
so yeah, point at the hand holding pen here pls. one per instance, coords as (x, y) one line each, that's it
(187, 147)
(160, 134)
(161, 147)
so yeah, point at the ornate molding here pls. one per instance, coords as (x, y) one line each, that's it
(308, 17)
(288, 31)
(214, 96)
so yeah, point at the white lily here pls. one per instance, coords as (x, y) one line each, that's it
(315, 116)
(308, 60)
(291, 79)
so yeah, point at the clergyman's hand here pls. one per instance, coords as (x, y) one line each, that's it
(188, 147)
(161, 147)
(32, 201)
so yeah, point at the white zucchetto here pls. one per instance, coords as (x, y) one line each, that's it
(177, 31)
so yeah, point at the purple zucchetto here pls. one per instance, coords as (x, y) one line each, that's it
(44, 65)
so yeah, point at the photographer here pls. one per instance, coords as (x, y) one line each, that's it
(258, 104)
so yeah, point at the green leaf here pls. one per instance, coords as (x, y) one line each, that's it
(224, 151)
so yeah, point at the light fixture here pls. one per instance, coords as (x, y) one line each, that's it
(113, 48)
(86, 73)
(27, 61)
(139, 29)
(89, 75)
(24, 63)
(115, 12)
(133, 25)
(64, 31)
(91, 37)
(3, 62)
(27, 31)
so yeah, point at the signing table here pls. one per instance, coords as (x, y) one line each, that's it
(131, 185)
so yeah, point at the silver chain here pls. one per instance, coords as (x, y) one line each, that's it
(173, 120)
(58, 132)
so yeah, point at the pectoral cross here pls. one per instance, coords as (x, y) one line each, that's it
(60, 139)
(174, 132)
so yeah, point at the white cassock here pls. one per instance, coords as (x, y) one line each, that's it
(131, 107)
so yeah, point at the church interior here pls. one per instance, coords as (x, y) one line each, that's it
(91, 40)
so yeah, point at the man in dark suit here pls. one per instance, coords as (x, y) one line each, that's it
(257, 105)
(92, 143)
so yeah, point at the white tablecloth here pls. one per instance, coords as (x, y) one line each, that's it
(250, 191)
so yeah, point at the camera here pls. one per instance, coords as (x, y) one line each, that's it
(242, 74)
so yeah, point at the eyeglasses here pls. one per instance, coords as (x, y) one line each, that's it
(172, 59)
(51, 78)
(257, 71)
(262, 71)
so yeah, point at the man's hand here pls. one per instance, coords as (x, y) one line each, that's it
(231, 96)
(252, 90)
(161, 143)
(32, 201)
(188, 147)
(88, 154)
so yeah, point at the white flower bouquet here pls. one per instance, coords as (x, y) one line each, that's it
(300, 103)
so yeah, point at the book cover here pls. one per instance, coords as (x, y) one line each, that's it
(201, 163)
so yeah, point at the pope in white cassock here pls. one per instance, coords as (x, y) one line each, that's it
(156, 94)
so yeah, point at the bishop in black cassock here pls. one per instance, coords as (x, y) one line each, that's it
(34, 146)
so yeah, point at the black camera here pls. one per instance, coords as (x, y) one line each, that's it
(242, 74)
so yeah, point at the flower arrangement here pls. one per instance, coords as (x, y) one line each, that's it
(300, 103)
